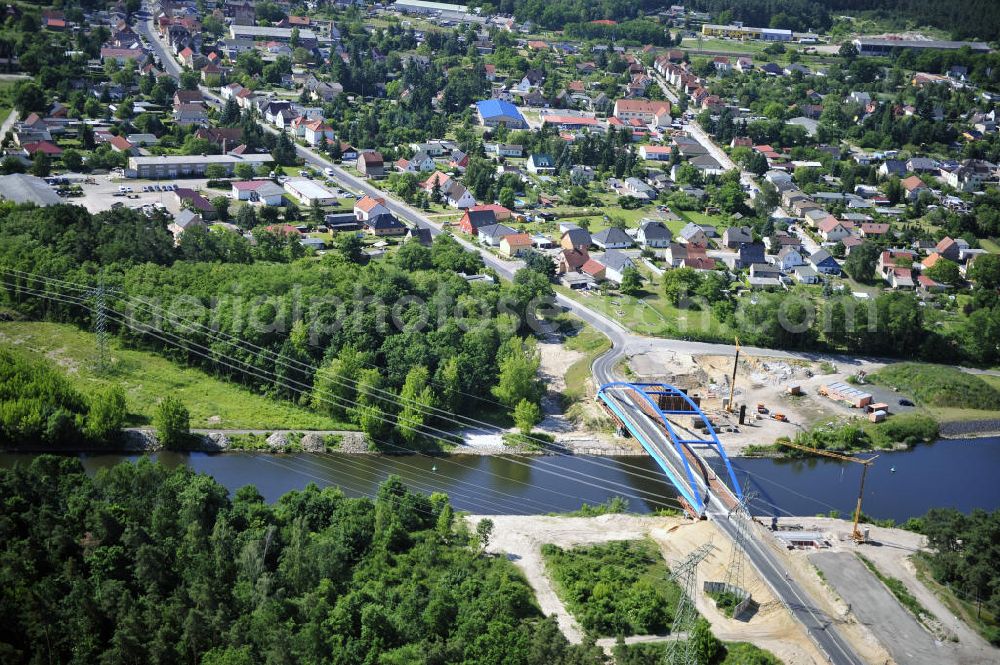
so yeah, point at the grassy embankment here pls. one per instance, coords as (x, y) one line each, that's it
(945, 393)
(147, 377)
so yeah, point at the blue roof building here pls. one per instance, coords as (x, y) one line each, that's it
(496, 112)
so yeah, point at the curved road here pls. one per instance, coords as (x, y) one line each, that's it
(819, 627)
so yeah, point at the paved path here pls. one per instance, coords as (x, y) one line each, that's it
(875, 607)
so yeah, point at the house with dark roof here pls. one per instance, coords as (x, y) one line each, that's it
(473, 220)
(734, 236)
(371, 164)
(823, 263)
(749, 253)
(491, 235)
(615, 264)
(575, 239)
(384, 224)
(653, 234)
(611, 238)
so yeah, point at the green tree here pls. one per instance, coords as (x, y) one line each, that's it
(172, 423)
(350, 247)
(243, 171)
(417, 400)
(28, 97)
(945, 272)
(519, 374)
(41, 165)
(707, 647)
(333, 386)
(216, 171)
(221, 206)
(986, 271)
(631, 282)
(526, 416)
(107, 414)
(506, 198)
(679, 284)
(72, 160)
(484, 531)
(246, 218)
(861, 262)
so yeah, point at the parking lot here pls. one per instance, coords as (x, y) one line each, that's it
(105, 192)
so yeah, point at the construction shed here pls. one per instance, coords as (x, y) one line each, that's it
(843, 392)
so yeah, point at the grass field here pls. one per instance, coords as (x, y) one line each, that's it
(147, 377)
(592, 344)
(945, 392)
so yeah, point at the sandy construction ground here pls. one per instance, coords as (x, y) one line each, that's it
(520, 538)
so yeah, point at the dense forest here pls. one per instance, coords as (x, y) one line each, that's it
(381, 343)
(965, 551)
(141, 564)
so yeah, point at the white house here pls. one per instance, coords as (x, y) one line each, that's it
(457, 196)
(541, 164)
(316, 131)
(368, 207)
(611, 238)
(309, 192)
(653, 234)
(258, 191)
(789, 258)
(615, 264)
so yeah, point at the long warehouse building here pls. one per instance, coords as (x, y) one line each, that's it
(876, 47)
(188, 166)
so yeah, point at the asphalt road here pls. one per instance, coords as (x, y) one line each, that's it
(875, 607)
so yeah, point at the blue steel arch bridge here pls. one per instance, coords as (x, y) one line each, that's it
(644, 411)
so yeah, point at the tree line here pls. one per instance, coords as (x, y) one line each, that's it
(384, 343)
(144, 564)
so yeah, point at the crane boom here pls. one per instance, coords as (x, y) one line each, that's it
(866, 463)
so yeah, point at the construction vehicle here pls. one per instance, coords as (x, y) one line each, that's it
(856, 534)
(761, 408)
(780, 417)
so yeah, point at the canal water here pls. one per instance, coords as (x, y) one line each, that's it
(960, 474)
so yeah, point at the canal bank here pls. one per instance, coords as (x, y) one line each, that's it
(957, 473)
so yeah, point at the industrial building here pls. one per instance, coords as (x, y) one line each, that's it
(257, 33)
(309, 192)
(22, 188)
(187, 166)
(843, 392)
(876, 47)
(737, 31)
(444, 10)
(496, 112)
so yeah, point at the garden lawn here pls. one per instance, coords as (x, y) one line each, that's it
(146, 378)
(946, 393)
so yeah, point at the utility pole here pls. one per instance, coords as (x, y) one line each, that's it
(732, 384)
(681, 652)
(101, 326)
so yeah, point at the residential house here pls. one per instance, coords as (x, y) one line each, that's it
(384, 224)
(658, 153)
(653, 234)
(541, 164)
(611, 238)
(419, 163)
(258, 191)
(371, 165)
(456, 195)
(892, 167)
(575, 239)
(190, 114)
(970, 176)
(515, 244)
(873, 229)
(475, 219)
(317, 131)
(805, 274)
(492, 234)
(949, 249)
(368, 207)
(900, 277)
(749, 253)
(914, 186)
(571, 260)
(185, 219)
(823, 263)
(192, 200)
(615, 263)
(764, 276)
(734, 236)
(636, 188)
(832, 230)
(692, 234)
(789, 258)
(892, 258)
